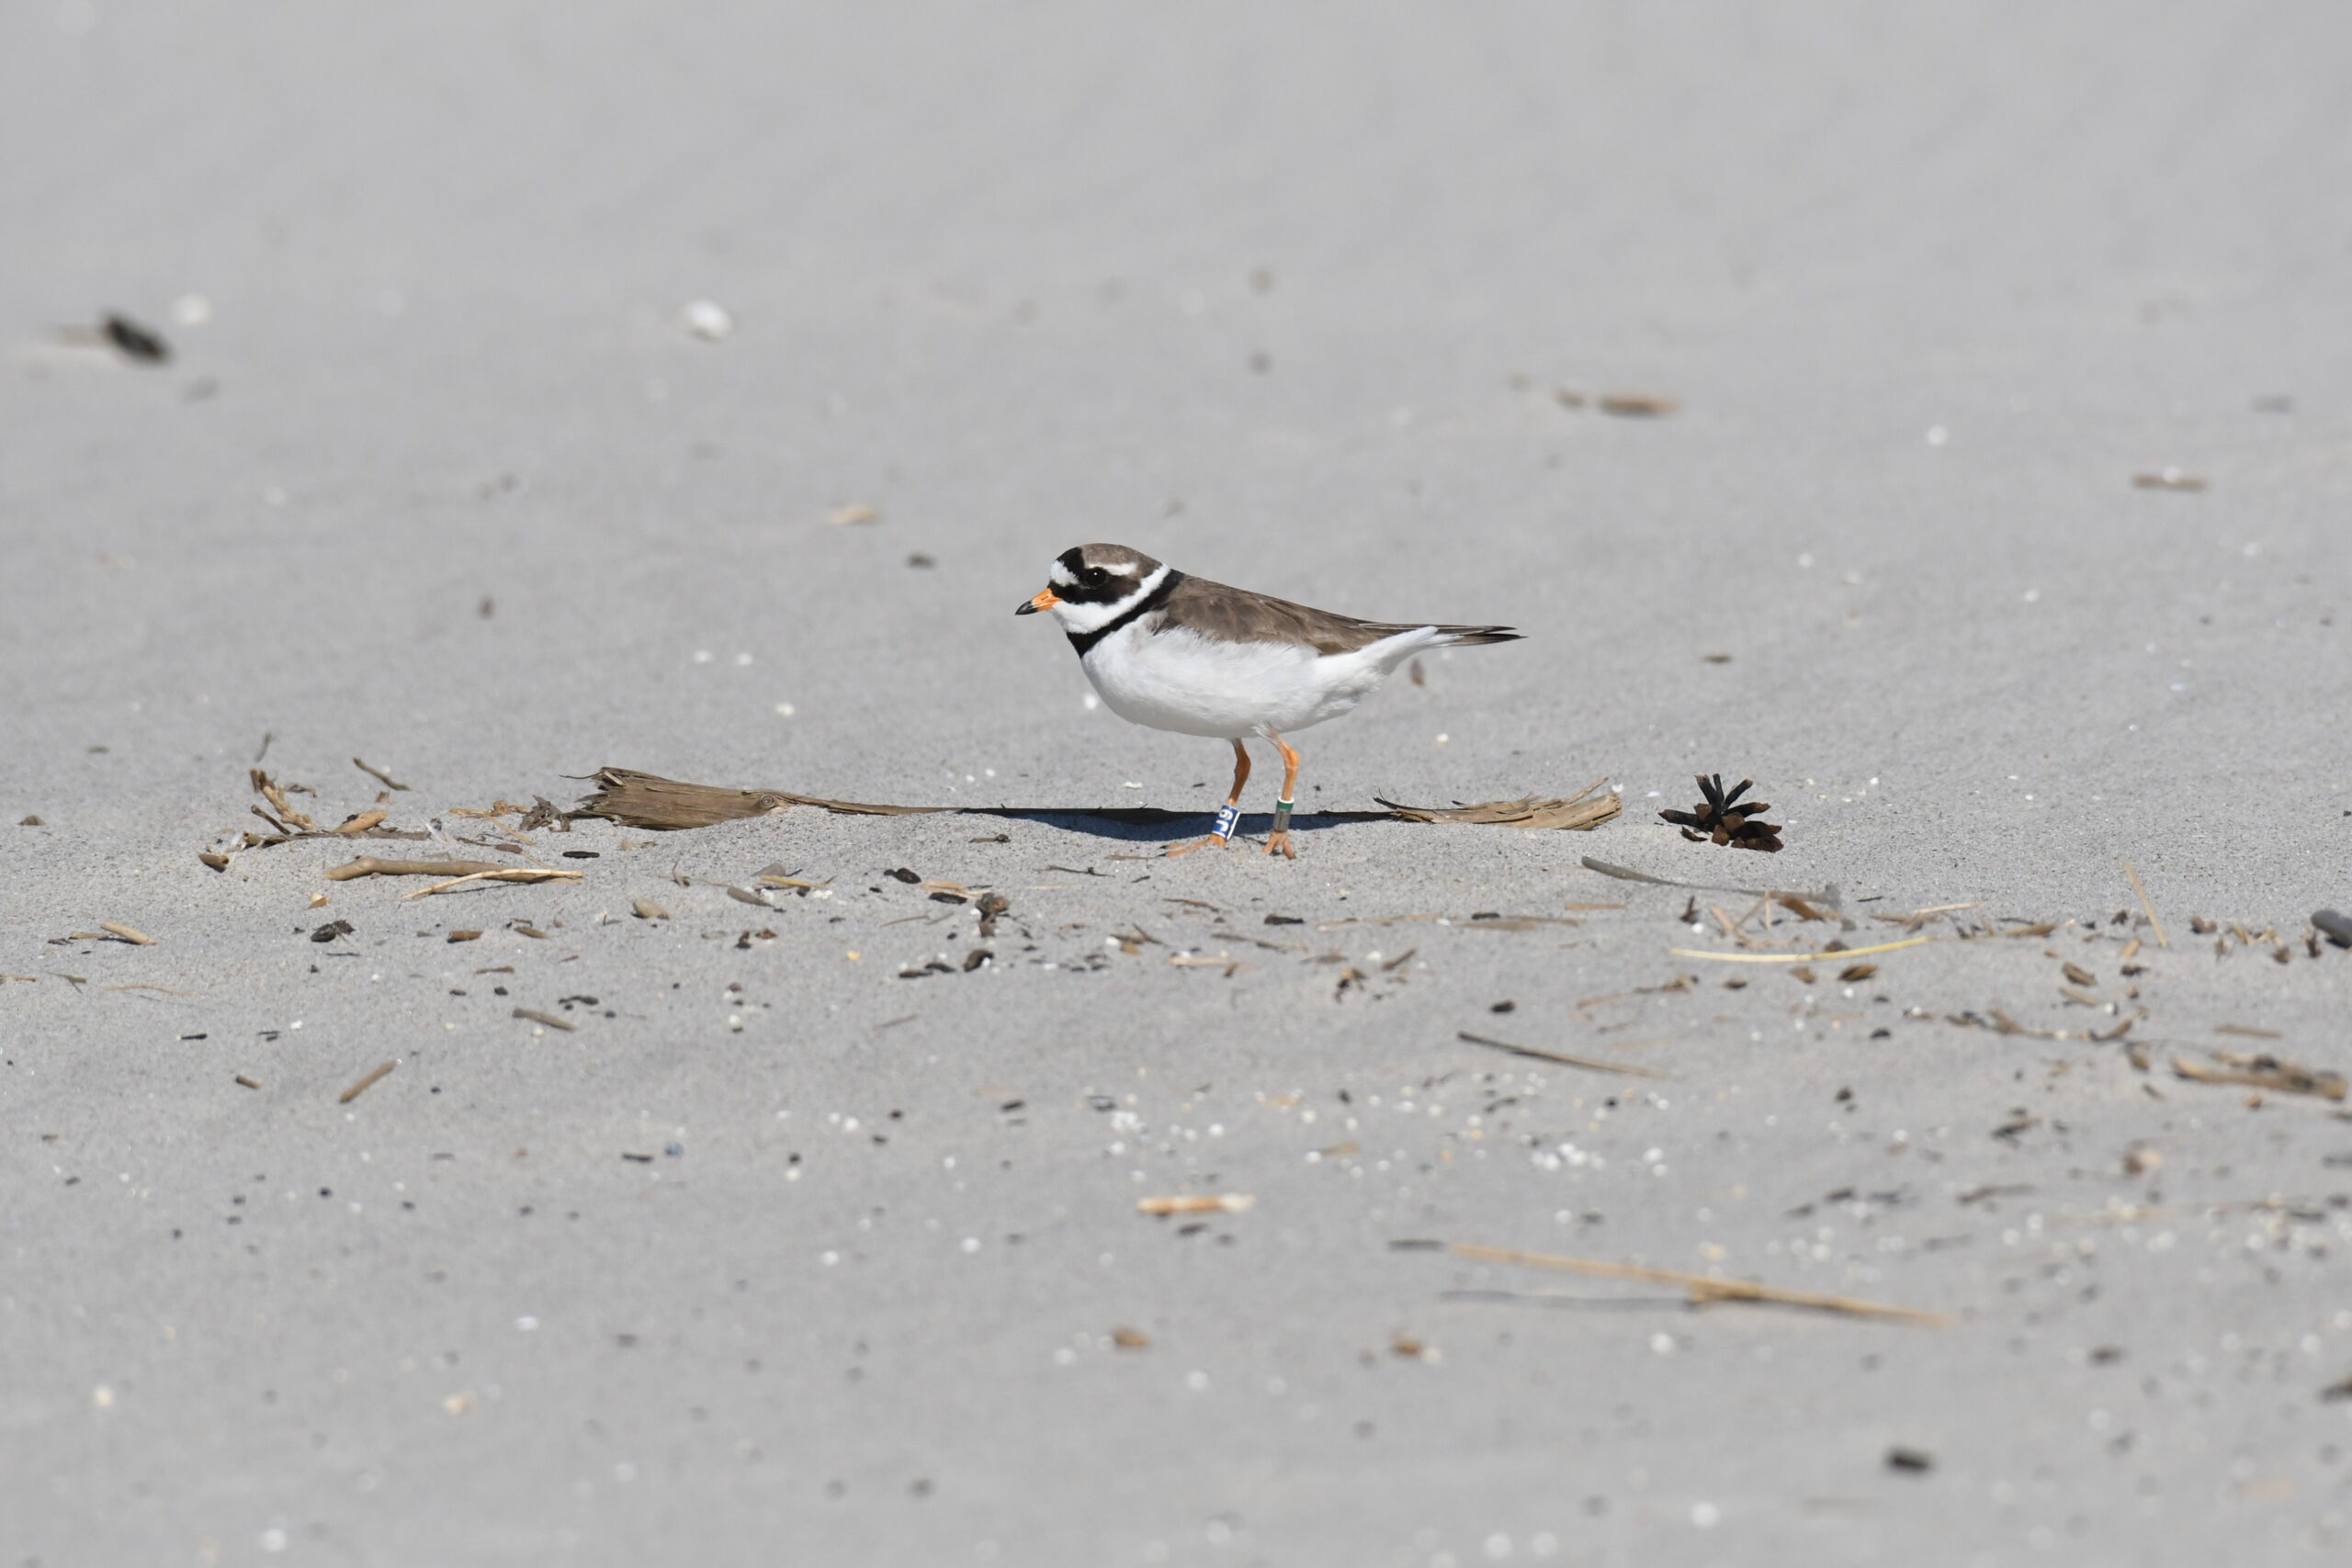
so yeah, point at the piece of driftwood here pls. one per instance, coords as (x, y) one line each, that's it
(638, 799)
(1580, 812)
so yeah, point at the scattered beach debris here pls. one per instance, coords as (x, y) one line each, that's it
(1723, 818)
(1196, 1203)
(850, 516)
(2335, 927)
(549, 1019)
(365, 1083)
(2168, 479)
(646, 909)
(242, 1081)
(1705, 1288)
(2265, 1071)
(1909, 1461)
(130, 934)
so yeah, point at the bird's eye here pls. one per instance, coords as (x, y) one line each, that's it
(1095, 576)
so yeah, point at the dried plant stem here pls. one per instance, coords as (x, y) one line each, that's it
(1800, 957)
(365, 1084)
(497, 873)
(1704, 1288)
(1589, 1064)
(368, 865)
(2161, 939)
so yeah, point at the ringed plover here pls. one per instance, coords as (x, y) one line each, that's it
(1183, 653)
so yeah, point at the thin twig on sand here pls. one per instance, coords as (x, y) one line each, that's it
(1589, 1064)
(1704, 1289)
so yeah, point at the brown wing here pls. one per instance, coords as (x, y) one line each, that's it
(1223, 614)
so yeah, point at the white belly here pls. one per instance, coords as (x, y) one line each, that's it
(1175, 679)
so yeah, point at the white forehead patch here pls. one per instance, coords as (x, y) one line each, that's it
(1061, 576)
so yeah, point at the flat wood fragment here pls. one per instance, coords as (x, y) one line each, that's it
(535, 1016)
(130, 934)
(1580, 812)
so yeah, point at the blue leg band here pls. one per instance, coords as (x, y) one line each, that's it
(1228, 818)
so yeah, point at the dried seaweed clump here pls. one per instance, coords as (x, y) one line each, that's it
(1724, 817)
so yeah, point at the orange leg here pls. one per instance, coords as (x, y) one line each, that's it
(1278, 839)
(1231, 815)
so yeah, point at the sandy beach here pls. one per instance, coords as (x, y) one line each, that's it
(1939, 417)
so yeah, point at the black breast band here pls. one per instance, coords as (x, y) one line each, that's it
(1085, 641)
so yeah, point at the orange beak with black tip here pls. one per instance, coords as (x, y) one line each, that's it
(1044, 600)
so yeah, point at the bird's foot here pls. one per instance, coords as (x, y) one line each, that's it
(1278, 841)
(1229, 818)
(1212, 841)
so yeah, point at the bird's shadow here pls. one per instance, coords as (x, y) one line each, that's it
(1153, 824)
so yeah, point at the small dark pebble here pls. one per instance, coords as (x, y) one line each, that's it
(29, 822)
(580, 854)
(136, 342)
(921, 561)
(1285, 920)
(976, 957)
(1909, 1461)
(904, 875)
(2335, 927)
(1504, 1007)
(331, 930)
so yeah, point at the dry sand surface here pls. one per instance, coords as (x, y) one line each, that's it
(802, 1239)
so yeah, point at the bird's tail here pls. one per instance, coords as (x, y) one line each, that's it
(1467, 637)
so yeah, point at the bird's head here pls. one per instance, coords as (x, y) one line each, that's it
(1091, 585)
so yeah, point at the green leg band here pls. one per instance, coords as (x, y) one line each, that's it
(1281, 816)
